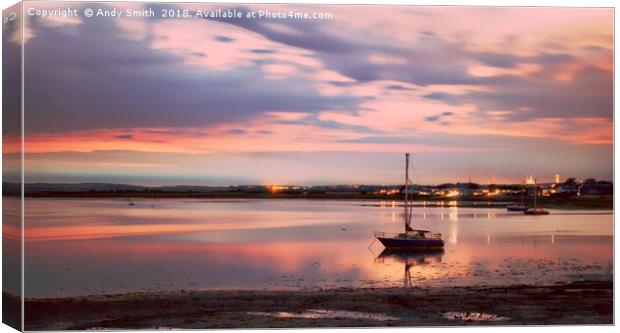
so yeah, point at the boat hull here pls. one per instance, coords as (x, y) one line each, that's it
(536, 212)
(411, 244)
(516, 208)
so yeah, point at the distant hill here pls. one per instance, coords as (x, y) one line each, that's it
(82, 187)
(12, 188)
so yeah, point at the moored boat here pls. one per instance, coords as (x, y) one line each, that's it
(535, 210)
(411, 239)
(516, 208)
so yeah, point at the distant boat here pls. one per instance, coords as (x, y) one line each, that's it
(536, 210)
(517, 208)
(411, 239)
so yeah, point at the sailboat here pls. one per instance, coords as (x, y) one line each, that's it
(411, 239)
(536, 210)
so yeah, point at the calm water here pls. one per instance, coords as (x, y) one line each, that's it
(89, 246)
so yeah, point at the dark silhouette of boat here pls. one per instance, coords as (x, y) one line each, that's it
(536, 210)
(411, 239)
(516, 208)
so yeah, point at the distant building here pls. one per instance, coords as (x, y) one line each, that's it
(567, 189)
(529, 180)
(557, 178)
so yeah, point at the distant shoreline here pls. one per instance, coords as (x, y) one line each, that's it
(492, 198)
(603, 202)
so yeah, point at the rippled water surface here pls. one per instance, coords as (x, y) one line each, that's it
(91, 246)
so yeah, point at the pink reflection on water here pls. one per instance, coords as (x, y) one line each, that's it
(95, 246)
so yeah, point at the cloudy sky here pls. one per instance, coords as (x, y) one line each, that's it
(467, 90)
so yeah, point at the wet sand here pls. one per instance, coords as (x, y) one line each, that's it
(584, 302)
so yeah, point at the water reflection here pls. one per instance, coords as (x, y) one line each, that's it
(454, 233)
(77, 247)
(410, 259)
(11, 245)
(454, 214)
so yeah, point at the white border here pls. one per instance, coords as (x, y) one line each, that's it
(565, 3)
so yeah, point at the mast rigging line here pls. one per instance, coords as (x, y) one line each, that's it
(409, 207)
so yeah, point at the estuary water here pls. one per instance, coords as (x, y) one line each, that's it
(99, 246)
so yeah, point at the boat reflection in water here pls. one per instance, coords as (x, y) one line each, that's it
(411, 259)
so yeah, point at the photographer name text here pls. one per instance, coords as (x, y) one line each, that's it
(178, 13)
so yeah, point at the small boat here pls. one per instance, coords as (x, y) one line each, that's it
(411, 239)
(536, 210)
(516, 208)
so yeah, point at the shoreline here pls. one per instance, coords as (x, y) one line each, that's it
(571, 203)
(578, 302)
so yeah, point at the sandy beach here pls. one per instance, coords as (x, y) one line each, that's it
(584, 302)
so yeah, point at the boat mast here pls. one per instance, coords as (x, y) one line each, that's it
(406, 191)
(535, 193)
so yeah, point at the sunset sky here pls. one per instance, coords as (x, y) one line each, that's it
(467, 90)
